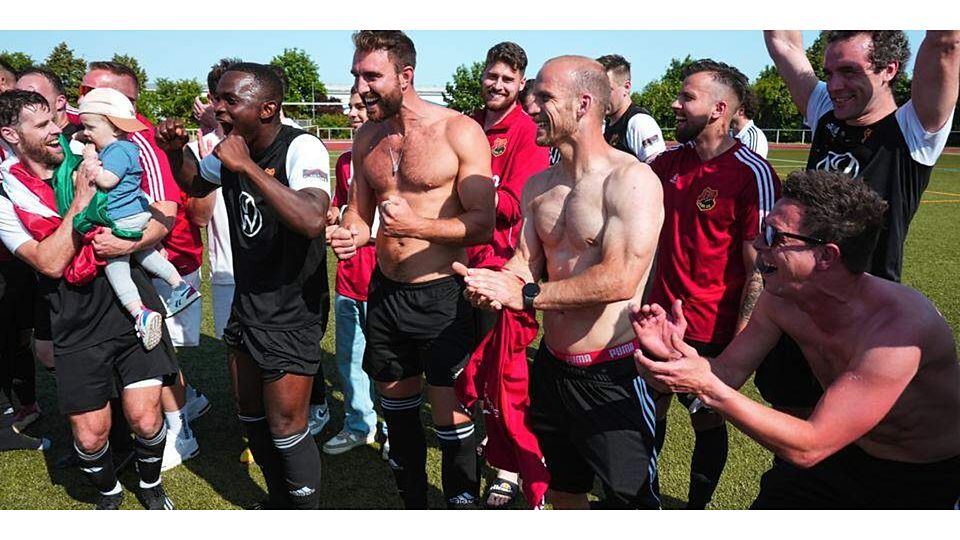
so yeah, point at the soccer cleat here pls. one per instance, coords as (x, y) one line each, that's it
(109, 502)
(318, 418)
(149, 328)
(180, 297)
(178, 449)
(27, 415)
(197, 404)
(347, 440)
(155, 498)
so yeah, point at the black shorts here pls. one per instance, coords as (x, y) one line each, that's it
(415, 328)
(277, 352)
(42, 330)
(784, 378)
(851, 479)
(18, 291)
(595, 421)
(88, 378)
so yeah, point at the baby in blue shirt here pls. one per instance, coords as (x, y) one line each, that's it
(107, 116)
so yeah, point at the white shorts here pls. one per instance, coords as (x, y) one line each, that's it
(184, 328)
(222, 302)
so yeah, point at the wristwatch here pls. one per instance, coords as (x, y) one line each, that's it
(529, 291)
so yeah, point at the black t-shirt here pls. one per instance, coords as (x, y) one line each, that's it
(881, 155)
(280, 275)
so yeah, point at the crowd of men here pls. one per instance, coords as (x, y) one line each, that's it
(658, 268)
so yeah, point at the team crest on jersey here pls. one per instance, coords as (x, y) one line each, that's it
(866, 135)
(833, 129)
(499, 146)
(707, 199)
(844, 163)
(270, 170)
(251, 221)
(674, 178)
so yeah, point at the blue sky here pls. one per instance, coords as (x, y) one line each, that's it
(189, 54)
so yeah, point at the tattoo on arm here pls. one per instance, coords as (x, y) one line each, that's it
(752, 289)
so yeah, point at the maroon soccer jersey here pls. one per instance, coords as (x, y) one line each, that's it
(711, 209)
(514, 157)
(353, 274)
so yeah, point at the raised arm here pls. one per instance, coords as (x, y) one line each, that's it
(786, 50)
(936, 78)
(633, 204)
(172, 138)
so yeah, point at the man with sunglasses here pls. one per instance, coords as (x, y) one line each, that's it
(715, 192)
(884, 434)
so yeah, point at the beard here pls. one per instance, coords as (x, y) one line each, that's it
(387, 106)
(38, 152)
(690, 130)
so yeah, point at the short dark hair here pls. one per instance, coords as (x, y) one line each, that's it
(887, 46)
(527, 88)
(47, 74)
(839, 210)
(271, 87)
(399, 47)
(217, 70)
(510, 54)
(117, 69)
(724, 74)
(5, 66)
(12, 102)
(615, 63)
(750, 104)
(282, 75)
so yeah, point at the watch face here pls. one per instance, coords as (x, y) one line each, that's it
(530, 290)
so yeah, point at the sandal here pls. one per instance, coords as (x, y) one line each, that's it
(505, 489)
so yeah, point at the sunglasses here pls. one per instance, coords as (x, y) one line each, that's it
(773, 237)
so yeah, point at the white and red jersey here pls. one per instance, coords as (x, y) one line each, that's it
(353, 274)
(710, 209)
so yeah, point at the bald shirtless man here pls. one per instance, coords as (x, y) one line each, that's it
(592, 223)
(886, 433)
(428, 170)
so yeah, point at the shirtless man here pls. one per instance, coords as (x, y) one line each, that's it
(592, 223)
(428, 170)
(884, 434)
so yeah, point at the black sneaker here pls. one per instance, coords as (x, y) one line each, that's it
(155, 498)
(109, 502)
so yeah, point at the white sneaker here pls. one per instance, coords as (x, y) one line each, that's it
(318, 418)
(179, 449)
(197, 404)
(347, 440)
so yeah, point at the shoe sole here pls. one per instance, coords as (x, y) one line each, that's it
(192, 455)
(344, 449)
(154, 331)
(185, 305)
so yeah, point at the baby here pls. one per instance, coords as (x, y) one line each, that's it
(107, 117)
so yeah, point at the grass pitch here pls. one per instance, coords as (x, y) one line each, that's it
(359, 479)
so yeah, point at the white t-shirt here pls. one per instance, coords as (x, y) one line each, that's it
(12, 232)
(645, 137)
(753, 138)
(306, 154)
(925, 147)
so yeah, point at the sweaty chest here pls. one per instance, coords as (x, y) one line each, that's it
(571, 218)
(420, 164)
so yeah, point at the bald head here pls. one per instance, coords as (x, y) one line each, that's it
(581, 76)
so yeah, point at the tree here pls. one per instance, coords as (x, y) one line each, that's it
(170, 99)
(658, 96)
(133, 64)
(71, 70)
(17, 60)
(776, 108)
(463, 93)
(303, 78)
(815, 54)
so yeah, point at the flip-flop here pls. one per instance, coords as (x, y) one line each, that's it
(505, 489)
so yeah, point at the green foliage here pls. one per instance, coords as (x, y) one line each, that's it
(170, 99)
(133, 64)
(17, 60)
(776, 108)
(70, 69)
(303, 79)
(657, 96)
(815, 54)
(463, 92)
